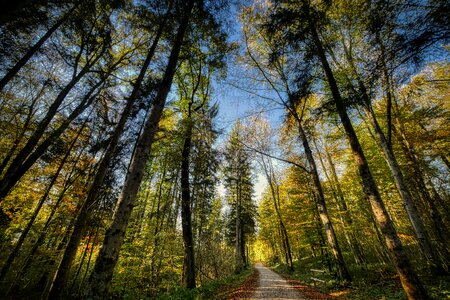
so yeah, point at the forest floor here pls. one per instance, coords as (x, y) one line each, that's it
(266, 284)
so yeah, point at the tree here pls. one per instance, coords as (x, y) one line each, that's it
(293, 101)
(238, 183)
(101, 277)
(311, 19)
(61, 276)
(259, 135)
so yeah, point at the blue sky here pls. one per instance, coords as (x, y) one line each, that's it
(235, 103)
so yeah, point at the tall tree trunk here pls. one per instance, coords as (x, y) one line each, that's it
(344, 214)
(156, 231)
(33, 50)
(21, 134)
(53, 136)
(242, 251)
(275, 198)
(427, 194)
(62, 273)
(410, 282)
(88, 264)
(83, 256)
(322, 209)
(388, 90)
(433, 199)
(186, 218)
(101, 277)
(319, 229)
(411, 209)
(238, 230)
(47, 276)
(40, 240)
(419, 228)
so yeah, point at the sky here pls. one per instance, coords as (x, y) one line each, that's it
(235, 103)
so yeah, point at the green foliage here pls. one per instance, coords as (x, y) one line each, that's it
(216, 289)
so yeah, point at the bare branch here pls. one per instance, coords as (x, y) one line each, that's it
(275, 157)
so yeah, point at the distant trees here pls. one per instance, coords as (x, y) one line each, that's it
(239, 188)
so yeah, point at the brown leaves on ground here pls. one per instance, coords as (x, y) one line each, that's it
(307, 291)
(246, 290)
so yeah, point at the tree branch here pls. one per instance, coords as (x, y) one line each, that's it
(275, 157)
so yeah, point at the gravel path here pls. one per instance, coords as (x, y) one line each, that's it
(272, 286)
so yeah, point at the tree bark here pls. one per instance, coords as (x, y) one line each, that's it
(238, 233)
(186, 218)
(419, 228)
(427, 193)
(275, 198)
(21, 134)
(400, 182)
(101, 277)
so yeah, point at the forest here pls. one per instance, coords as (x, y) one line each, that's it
(158, 149)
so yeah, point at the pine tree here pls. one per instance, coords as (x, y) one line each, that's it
(239, 187)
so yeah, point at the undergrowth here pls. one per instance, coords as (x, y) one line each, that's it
(215, 289)
(371, 283)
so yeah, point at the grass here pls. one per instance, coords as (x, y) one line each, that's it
(216, 289)
(373, 283)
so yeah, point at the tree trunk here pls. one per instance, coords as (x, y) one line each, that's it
(81, 261)
(21, 134)
(101, 277)
(344, 214)
(46, 276)
(388, 90)
(275, 197)
(186, 218)
(40, 240)
(89, 260)
(410, 282)
(429, 198)
(54, 135)
(419, 228)
(385, 144)
(238, 229)
(322, 209)
(62, 273)
(319, 229)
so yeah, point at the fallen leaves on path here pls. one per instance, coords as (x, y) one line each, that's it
(307, 291)
(246, 290)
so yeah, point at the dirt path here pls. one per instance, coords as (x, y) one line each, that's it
(273, 286)
(266, 284)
